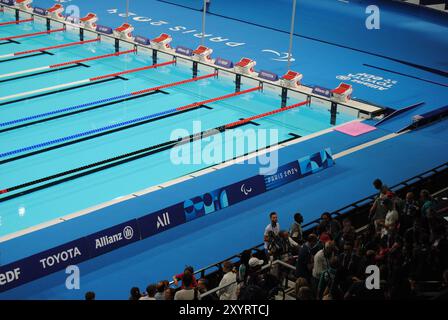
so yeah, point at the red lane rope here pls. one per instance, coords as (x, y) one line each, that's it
(132, 71)
(32, 34)
(270, 113)
(15, 22)
(115, 54)
(164, 86)
(230, 95)
(56, 47)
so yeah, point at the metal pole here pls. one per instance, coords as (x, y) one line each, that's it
(204, 12)
(127, 11)
(291, 34)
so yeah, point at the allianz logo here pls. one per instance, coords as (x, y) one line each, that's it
(163, 220)
(60, 257)
(127, 234)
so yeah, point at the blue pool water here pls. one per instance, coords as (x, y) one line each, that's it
(57, 201)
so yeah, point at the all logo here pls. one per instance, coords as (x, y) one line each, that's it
(163, 220)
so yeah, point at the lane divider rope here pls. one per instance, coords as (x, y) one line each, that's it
(116, 125)
(59, 46)
(32, 34)
(15, 22)
(106, 100)
(84, 81)
(63, 64)
(130, 156)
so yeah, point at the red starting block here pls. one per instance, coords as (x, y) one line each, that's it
(124, 31)
(292, 79)
(162, 41)
(89, 21)
(342, 93)
(56, 11)
(202, 53)
(245, 66)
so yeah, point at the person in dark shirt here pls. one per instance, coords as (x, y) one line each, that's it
(305, 258)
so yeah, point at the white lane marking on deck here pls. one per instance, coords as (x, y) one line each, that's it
(367, 144)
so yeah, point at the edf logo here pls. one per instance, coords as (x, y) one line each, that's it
(373, 20)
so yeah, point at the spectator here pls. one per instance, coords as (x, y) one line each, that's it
(332, 226)
(427, 202)
(255, 265)
(348, 233)
(322, 262)
(244, 265)
(378, 184)
(305, 294)
(188, 292)
(228, 282)
(161, 287)
(89, 296)
(202, 288)
(329, 283)
(295, 231)
(151, 291)
(305, 258)
(409, 214)
(168, 295)
(272, 230)
(135, 294)
(378, 211)
(392, 217)
(287, 246)
(300, 282)
(350, 264)
(179, 277)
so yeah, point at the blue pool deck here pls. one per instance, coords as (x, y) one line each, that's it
(217, 236)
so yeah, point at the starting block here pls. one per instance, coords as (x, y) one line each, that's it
(24, 4)
(292, 79)
(342, 93)
(162, 41)
(245, 66)
(89, 21)
(56, 11)
(124, 31)
(203, 54)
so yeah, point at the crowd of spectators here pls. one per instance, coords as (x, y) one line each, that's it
(406, 240)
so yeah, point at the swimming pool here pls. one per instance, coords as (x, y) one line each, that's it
(48, 128)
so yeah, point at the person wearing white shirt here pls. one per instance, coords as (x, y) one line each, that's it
(228, 282)
(273, 227)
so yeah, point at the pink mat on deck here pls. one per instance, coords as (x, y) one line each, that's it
(355, 128)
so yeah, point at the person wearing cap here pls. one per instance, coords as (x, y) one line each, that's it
(228, 283)
(255, 265)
